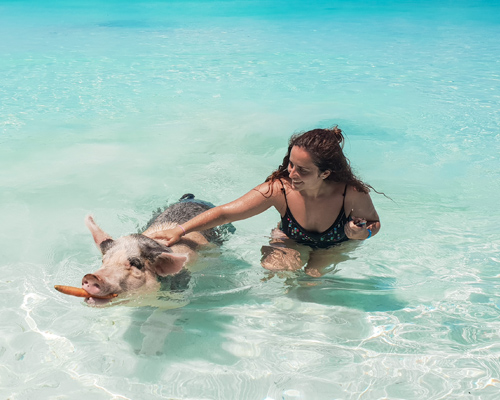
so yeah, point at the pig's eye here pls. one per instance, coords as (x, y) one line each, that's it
(136, 262)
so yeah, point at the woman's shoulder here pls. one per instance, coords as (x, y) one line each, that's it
(354, 191)
(354, 197)
(273, 188)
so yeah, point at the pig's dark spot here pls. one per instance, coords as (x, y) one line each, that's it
(175, 283)
(149, 249)
(189, 196)
(106, 245)
(136, 262)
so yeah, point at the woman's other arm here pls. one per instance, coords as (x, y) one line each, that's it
(360, 208)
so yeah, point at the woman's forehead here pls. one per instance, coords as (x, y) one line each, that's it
(300, 156)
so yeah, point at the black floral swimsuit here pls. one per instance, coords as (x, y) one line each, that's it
(333, 235)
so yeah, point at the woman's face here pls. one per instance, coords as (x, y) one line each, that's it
(302, 171)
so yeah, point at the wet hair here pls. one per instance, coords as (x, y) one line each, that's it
(325, 147)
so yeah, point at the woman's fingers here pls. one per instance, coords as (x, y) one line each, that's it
(354, 231)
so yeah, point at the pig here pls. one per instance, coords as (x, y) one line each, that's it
(137, 264)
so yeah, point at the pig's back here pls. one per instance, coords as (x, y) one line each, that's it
(181, 212)
(187, 208)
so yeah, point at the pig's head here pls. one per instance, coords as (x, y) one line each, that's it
(130, 263)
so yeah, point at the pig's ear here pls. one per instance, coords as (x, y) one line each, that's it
(101, 238)
(169, 263)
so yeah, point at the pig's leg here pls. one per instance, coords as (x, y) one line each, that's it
(156, 329)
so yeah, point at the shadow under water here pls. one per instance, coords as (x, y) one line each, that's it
(195, 326)
(373, 293)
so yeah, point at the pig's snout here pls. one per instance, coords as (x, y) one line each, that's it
(92, 284)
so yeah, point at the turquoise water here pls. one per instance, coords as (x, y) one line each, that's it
(117, 109)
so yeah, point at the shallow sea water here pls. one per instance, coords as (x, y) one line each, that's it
(117, 109)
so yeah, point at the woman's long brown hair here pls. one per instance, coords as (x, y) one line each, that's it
(326, 149)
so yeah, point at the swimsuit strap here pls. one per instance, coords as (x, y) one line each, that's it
(343, 201)
(284, 192)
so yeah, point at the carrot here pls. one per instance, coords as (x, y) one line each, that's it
(79, 292)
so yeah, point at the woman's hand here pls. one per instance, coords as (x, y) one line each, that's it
(356, 229)
(170, 236)
(364, 220)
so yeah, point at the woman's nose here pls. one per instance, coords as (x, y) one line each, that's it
(291, 171)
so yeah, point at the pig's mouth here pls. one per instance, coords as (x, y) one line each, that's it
(99, 299)
(92, 301)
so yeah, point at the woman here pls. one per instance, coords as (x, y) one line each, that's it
(320, 201)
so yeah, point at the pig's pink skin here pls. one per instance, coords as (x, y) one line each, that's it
(124, 268)
(97, 233)
(135, 263)
(90, 283)
(130, 263)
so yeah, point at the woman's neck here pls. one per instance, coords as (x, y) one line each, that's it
(325, 189)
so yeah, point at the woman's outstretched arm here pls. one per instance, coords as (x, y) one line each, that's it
(252, 203)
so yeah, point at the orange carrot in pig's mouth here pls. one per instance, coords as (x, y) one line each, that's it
(79, 292)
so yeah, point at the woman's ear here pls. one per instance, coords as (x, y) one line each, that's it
(325, 174)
